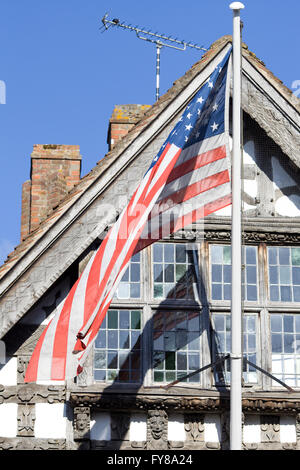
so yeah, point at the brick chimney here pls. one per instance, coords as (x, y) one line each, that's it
(123, 118)
(55, 169)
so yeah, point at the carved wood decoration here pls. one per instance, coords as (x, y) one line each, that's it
(270, 428)
(194, 427)
(28, 443)
(157, 430)
(26, 419)
(82, 423)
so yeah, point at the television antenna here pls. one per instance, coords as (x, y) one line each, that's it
(160, 40)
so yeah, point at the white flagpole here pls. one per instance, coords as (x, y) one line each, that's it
(236, 359)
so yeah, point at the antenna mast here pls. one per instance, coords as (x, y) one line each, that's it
(160, 40)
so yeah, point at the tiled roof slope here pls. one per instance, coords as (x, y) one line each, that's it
(147, 117)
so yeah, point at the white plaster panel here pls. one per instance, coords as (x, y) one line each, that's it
(8, 372)
(251, 430)
(288, 206)
(212, 428)
(176, 431)
(246, 207)
(225, 212)
(100, 427)
(51, 420)
(250, 187)
(138, 427)
(288, 429)
(8, 419)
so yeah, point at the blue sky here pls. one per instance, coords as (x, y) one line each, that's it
(63, 77)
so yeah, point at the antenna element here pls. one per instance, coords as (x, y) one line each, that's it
(160, 40)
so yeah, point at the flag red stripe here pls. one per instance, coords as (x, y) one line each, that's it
(197, 162)
(191, 191)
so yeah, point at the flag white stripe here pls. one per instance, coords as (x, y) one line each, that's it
(163, 165)
(194, 176)
(211, 143)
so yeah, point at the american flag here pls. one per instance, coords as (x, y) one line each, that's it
(187, 180)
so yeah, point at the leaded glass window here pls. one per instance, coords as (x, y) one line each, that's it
(174, 275)
(130, 284)
(176, 345)
(221, 272)
(117, 354)
(284, 274)
(222, 346)
(285, 334)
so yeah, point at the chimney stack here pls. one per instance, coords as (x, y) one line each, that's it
(55, 169)
(123, 118)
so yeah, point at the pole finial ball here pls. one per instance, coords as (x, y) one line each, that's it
(236, 6)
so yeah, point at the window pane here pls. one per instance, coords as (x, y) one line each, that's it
(276, 343)
(221, 342)
(288, 323)
(276, 323)
(124, 319)
(284, 256)
(272, 255)
(169, 273)
(296, 256)
(120, 358)
(168, 252)
(124, 340)
(286, 293)
(217, 254)
(129, 286)
(274, 293)
(158, 253)
(135, 273)
(174, 276)
(216, 272)
(288, 343)
(112, 339)
(296, 276)
(251, 293)
(273, 274)
(221, 272)
(134, 291)
(250, 255)
(112, 319)
(217, 291)
(285, 348)
(158, 273)
(181, 348)
(284, 274)
(285, 277)
(251, 274)
(227, 254)
(180, 254)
